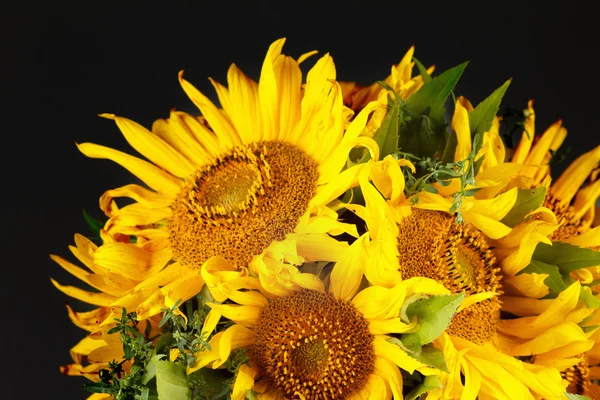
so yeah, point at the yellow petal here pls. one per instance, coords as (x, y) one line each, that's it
(337, 186)
(244, 381)
(590, 238)
(244, 111)
(377, 302)
(125, 259)
(289, 82)
(586, 198)
(152, 176)
(395, 355)
(247, 315)
(138, 193)
(97, 299)
(474, 299)
(460, 125)
(347, 273)
(491, 227)
(522, 150)
(218, 122)
(267, 93)
(179, 135)
(221, 346)
(554, 337)
(530, 327)
(567, 185)
(152, 147)
(391, 325)
(391, 374)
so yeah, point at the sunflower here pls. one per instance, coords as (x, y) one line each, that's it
(407, 239)
(313, 344)
(571, 197)
(249, 182)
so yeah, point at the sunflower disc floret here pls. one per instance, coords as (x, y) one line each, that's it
(311, 344)
(242, 202)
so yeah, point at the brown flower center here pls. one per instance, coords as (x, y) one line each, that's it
(313, 345)
(432, 245)
(242, 202)
(571, 226)
(578, 377)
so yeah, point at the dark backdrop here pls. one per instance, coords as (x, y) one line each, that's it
(61, 64)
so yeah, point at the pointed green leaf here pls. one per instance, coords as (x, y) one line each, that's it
(433, 357)
(387, 134)
(450, 148)
(588, 297)
(566, 257)
(171, 381)
(422, 71)
(527, 201)
(554, 280)
(480, 119)
(93, 223)
(433, 94)
(434, 314)
(430, 382)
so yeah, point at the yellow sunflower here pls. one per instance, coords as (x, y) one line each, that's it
(249, 182)
(427, 242)
(313, 344)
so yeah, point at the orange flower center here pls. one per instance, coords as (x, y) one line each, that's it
(241, 203)
(313, 345)
(432, 245)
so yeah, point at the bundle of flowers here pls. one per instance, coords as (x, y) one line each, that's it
(314, 239)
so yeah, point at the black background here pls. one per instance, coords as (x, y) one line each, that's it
(62, 64)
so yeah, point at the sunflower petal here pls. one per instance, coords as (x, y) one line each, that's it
(152, 147)
(152, 176)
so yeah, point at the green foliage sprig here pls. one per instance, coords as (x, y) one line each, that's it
(136, 346)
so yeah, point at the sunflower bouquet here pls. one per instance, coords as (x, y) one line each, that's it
(315, 239)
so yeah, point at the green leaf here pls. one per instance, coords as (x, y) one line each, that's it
(434, 314)
(572, 396)
(171, 381)
(150, 372)
(433, 357)
(411, 343)
(423, 127)
(422, 71)
(433, 94)
(428, 354)
(566, 257)
(430, 382)
(94, 224)
(480, 119)
(554, 280)
(527, 201)
(450, 148)
(387, 134)
(588, 298)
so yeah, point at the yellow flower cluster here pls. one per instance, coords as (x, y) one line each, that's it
(314, 259)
